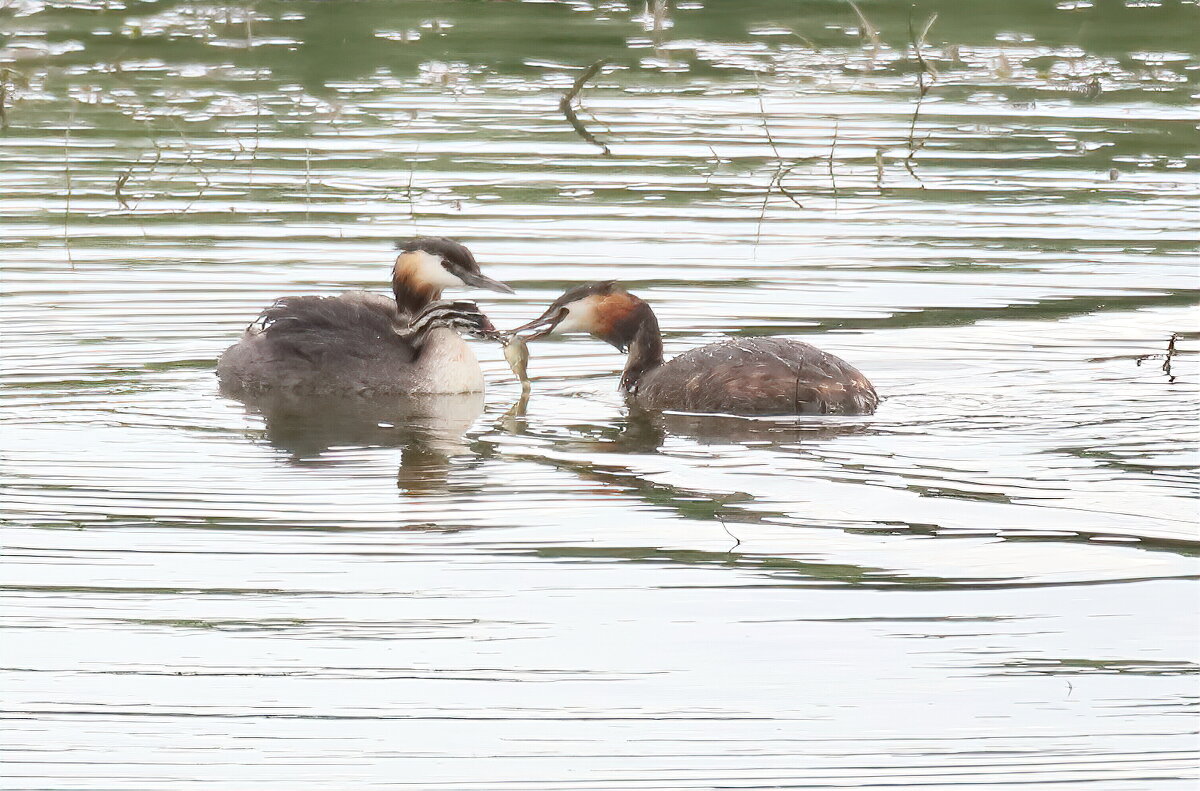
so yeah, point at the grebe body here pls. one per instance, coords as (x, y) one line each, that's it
(360, 342)
(744, 376)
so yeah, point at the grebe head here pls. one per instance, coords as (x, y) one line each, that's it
(430, 263)
(602, 309)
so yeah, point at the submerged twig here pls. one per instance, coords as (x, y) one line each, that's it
(149, 171)
(1167, 358)
(121, 179)
(257, 141)
(737, 541)
(307, 183)
(837, 122)
(926, 66)
(67, 173)
(568, 111)
(716, 162)
(781, 169)
(1166, 366)
(870, 32)
(191, 160)
(918, 42)
(408, 190)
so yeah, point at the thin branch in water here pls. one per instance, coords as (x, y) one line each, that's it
(913, 148)
(762, 112)
(150, 170)
(189, 159)
(307, 183)
(1166, 366)
(779, 177)
(121, 179)
(1167, 358)
(203, 187)
(918, 43)
(67, 172)
(737, 541)
(159, 149)
(257, 137)
(781, 169)
(408, 192)
(762, 216)
(762, 212)
(592, 119)
(568, 111)
(837, 122)
(870, 32)
(716, 164)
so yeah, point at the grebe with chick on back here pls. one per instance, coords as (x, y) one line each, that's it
(359, 342)
(745, 376)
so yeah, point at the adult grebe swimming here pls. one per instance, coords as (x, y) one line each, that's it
(746, 376)
(359, 342)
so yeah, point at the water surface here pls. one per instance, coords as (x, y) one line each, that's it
(989, 583)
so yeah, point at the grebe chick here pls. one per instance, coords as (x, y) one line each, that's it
(360, 342)
(745, 376)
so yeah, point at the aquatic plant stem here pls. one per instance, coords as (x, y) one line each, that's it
(67, 173)
(917, 43)
(568, 111)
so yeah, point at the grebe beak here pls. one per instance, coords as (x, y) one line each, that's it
(550, 319)
(483, 281)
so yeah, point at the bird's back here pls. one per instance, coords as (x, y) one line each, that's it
(347, 342)
(757, 376)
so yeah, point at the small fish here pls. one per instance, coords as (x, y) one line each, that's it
(516, 352)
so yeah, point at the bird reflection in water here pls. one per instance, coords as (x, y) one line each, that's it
(646, 431)
(430, 430)
(766, 432)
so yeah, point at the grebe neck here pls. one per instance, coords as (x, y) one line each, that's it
(413, 297)
(645, 350)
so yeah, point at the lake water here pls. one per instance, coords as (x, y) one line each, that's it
(990, 583)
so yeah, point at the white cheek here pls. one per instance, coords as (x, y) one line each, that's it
(581, 317)
(431, 271)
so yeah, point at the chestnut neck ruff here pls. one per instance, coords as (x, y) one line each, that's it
(412, 296)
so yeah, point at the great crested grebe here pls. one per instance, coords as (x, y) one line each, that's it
(360, 342)
(746, 376)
